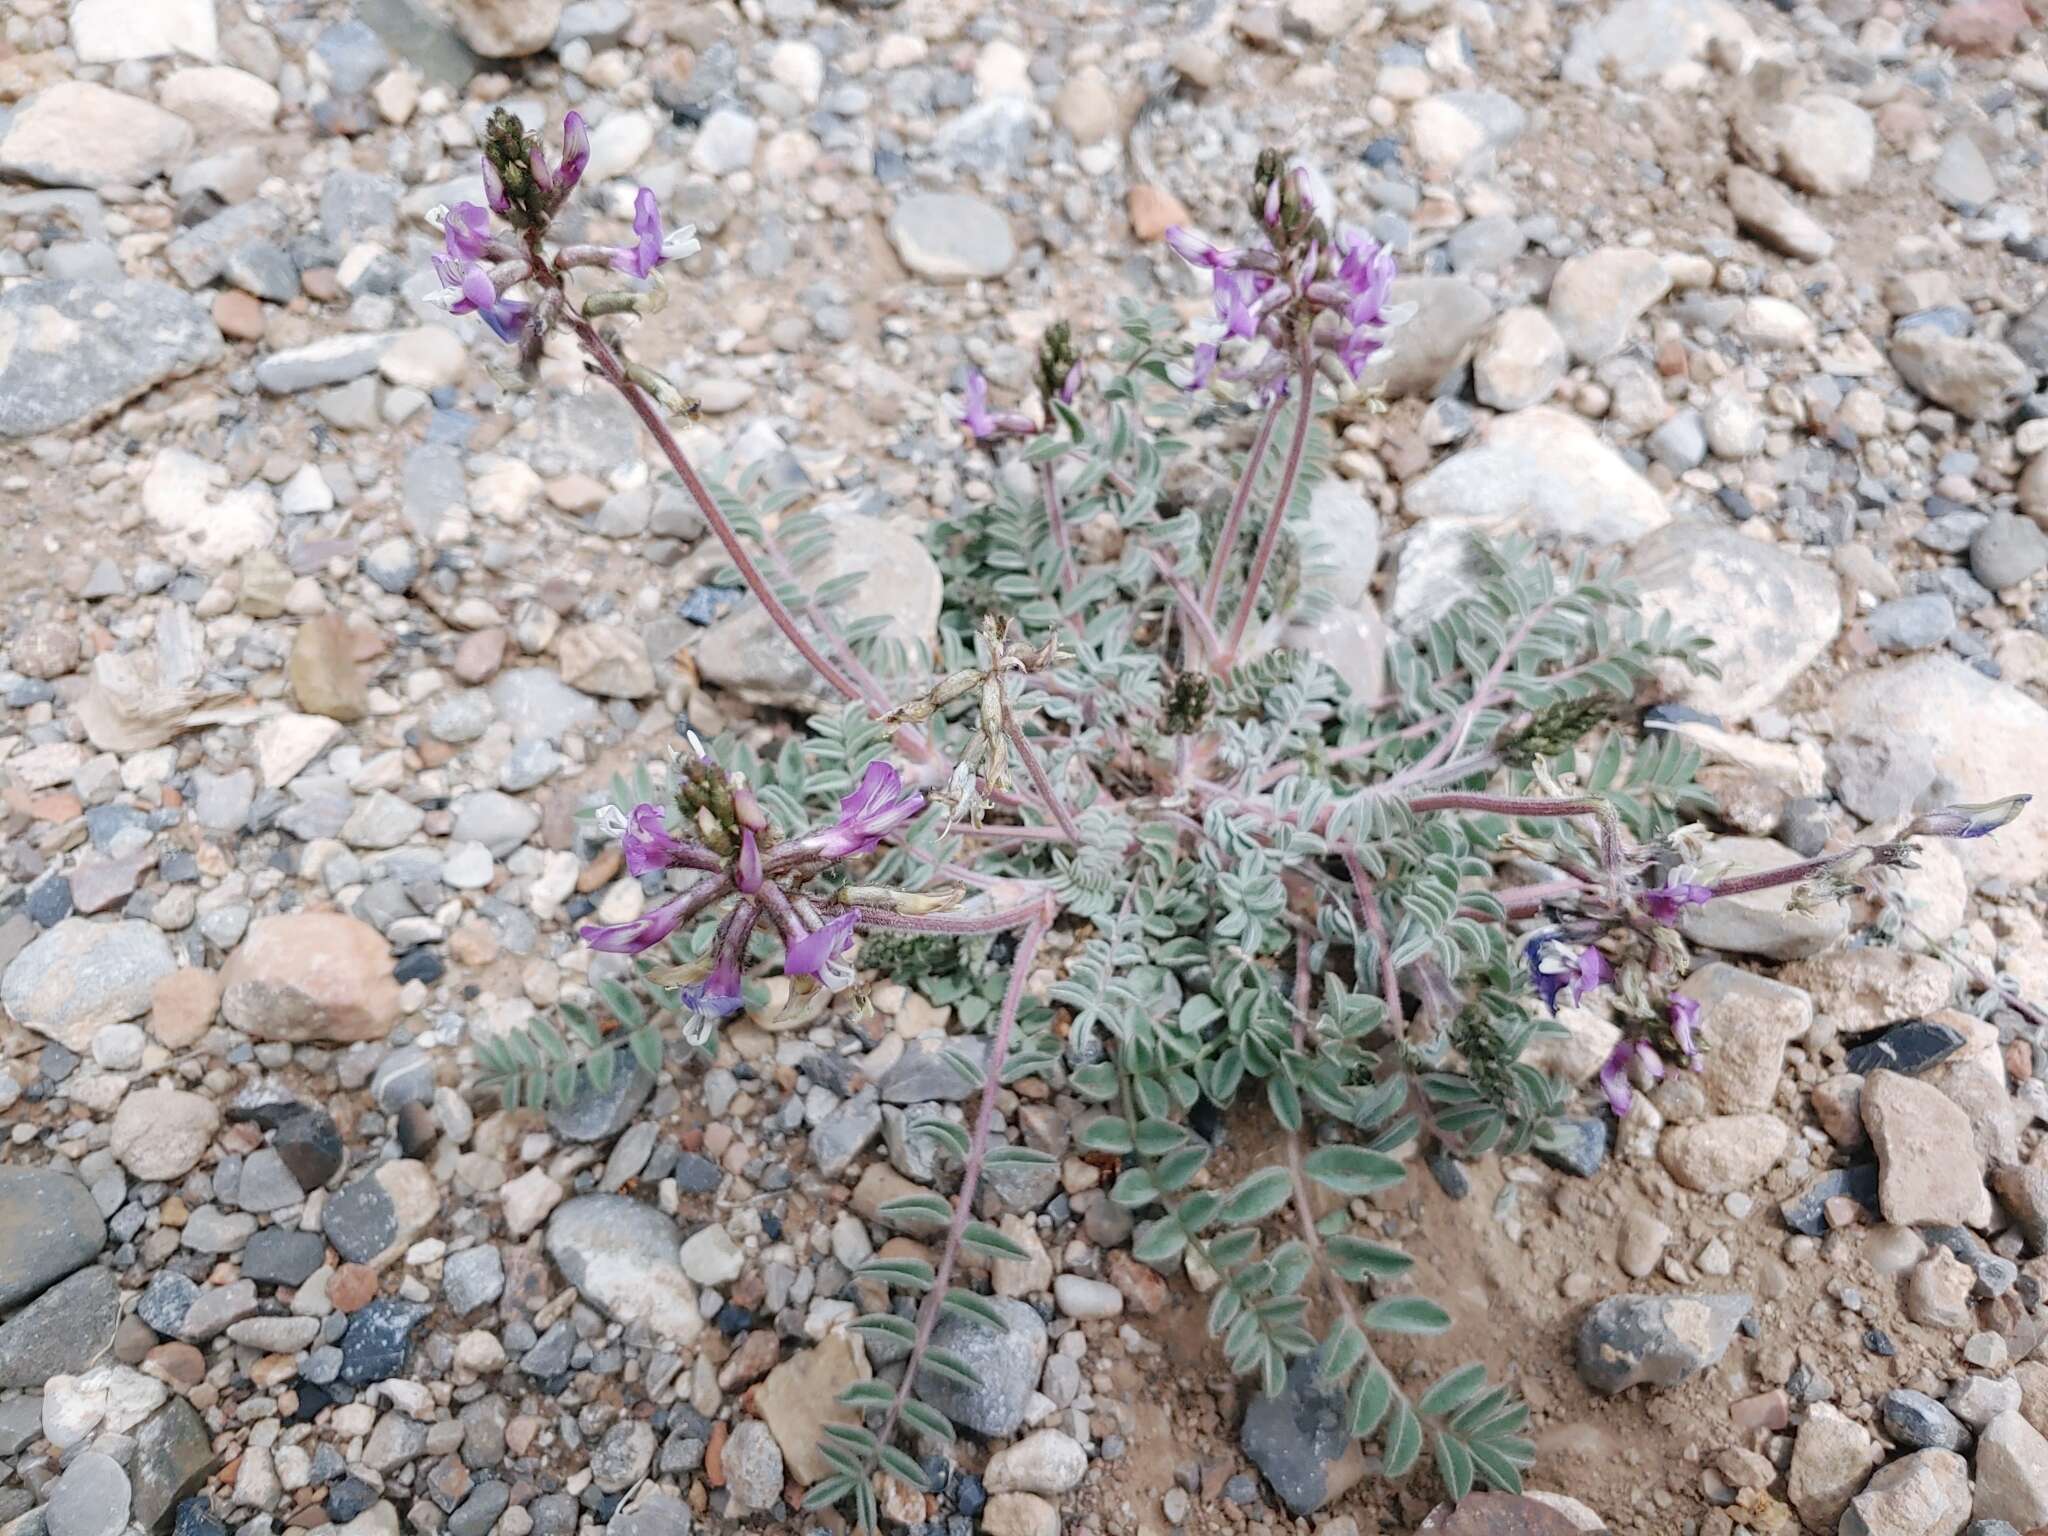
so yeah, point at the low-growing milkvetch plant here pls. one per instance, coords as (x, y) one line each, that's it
(1351, 913)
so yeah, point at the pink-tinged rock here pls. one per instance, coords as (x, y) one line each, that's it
(1984, 29)
(311, 976)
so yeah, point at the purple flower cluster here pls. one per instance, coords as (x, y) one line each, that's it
(982, 423)
(1684, 1016)
(1558, 971)
(476, 270)
(1301, 289)
(813, 945)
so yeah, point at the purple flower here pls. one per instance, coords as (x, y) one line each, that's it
(1201, 365)
(1614, 1077)
(645, 841)
(1968, 820)
(1556, 970)
(465, 231)
(650, 247)
(1234, 294)
(557, 182)
(475, 293)
(642, 933)
(717, 994)
(878, 805)
(1070, 386)
(747, 874)
(813, 954)
(1685, 1023)
(1668, 904)
(494, 188)
(974, 414)
(1195, 251)
(1614, 1072)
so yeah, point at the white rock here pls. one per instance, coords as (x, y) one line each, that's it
(286, 744)
(116, 31)
(1760, 922)
(1927, 1161)
(618, 143)
(1598, 295)
(1521, 361)
(711, 1257)
(2012, 1473)
(725, 143)
(1086, 1300)
(197, 523)
(222, 103)
(1044, 1462)
(75, 134)
(1771, 614)
(527, 1200)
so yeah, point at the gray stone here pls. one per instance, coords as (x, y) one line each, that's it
(1302, 1442)
(1459, 132)
(495, 819)
(280, 1256)
(624, 1456)
(214, 1308)
(753, 1468)
(334, 359)
(472, 1278)
(1962, 177)
(422, 39)
(660, 1515)
(623, 1255)
(379, 1339)
(1917, 1420)
(1627, 1341)
(1427, 352)
(355, 205)
(1917, 623)
(952, 237)
(1599, 294)
(594, 1116)
(213, 1230)
(49, 1227)
(77, 351)
(266, 1184)
(1008, 1363)
(2007, 550)
(1637, 41)
(1761, 922)
(361, 1221)
(539, 706)
(200, 254)
(1972, 375)
(92, 1498)
(1924, 1494)
(354, 56)
(63, 1332)
(844, 1134)
(924, 1074)
(169, 1297)
(75, 134)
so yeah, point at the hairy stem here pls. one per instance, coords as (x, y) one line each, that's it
(958, 924)
(1226, 537)
(970, 1173)
(1376, 925)
(1599, 810)
(1055, 514)
(1786, 874)
(1276, 519)
(1034, 766)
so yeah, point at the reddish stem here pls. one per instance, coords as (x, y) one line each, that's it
(970, 1173)
(1226, 537)
(1297, 445)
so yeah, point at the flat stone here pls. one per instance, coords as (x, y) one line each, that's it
(1008, 1363)
(801, 1396)
(1929, 1167)
(73, 352)
(173, 1454)
(1767, 212)
(335, 359)
(1924, 1494)
(91, 1498)
(1909, 1048)
(120, 31)
(592, 1116)
(375, 1218)
(1723, 1154)
(1831, 1460)
(266, 1184)
(80, 975)
(622, 1254)
(1917, 1420)
(311, 976)
(75, 134)
(1301, 1441)
(2012, 1473)
(952, 237)
(1598, 295)
(473, 1278)
(280, 1256)
(1430, 349)
(379, 1340)
(1807, 1211)
(161, 1133)
(1627, 1341)
(309, 1144)
(49, 1227)
(608, 660)
(1746, 1021)
(1637, 41)
(1771, 613)
(1971, 375)
(1760, 922)
(63, 1332)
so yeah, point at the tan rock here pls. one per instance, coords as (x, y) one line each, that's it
(182, 1007)
(2012, 1472)
(605, 659)
(1724, 1153)
(311, 976)
(161, 1133)
(1745, 1022)
(1867, 988)
(1831, 1460)
(1928, 1167)
(801, 1396)
(323, 671)
(1154, 211)
(1938, 1291)
(1974, 1080)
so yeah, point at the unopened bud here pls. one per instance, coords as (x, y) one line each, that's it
(882, 898)
(663, 393)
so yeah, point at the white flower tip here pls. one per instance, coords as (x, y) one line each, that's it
(437, 216)
(680, 242)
